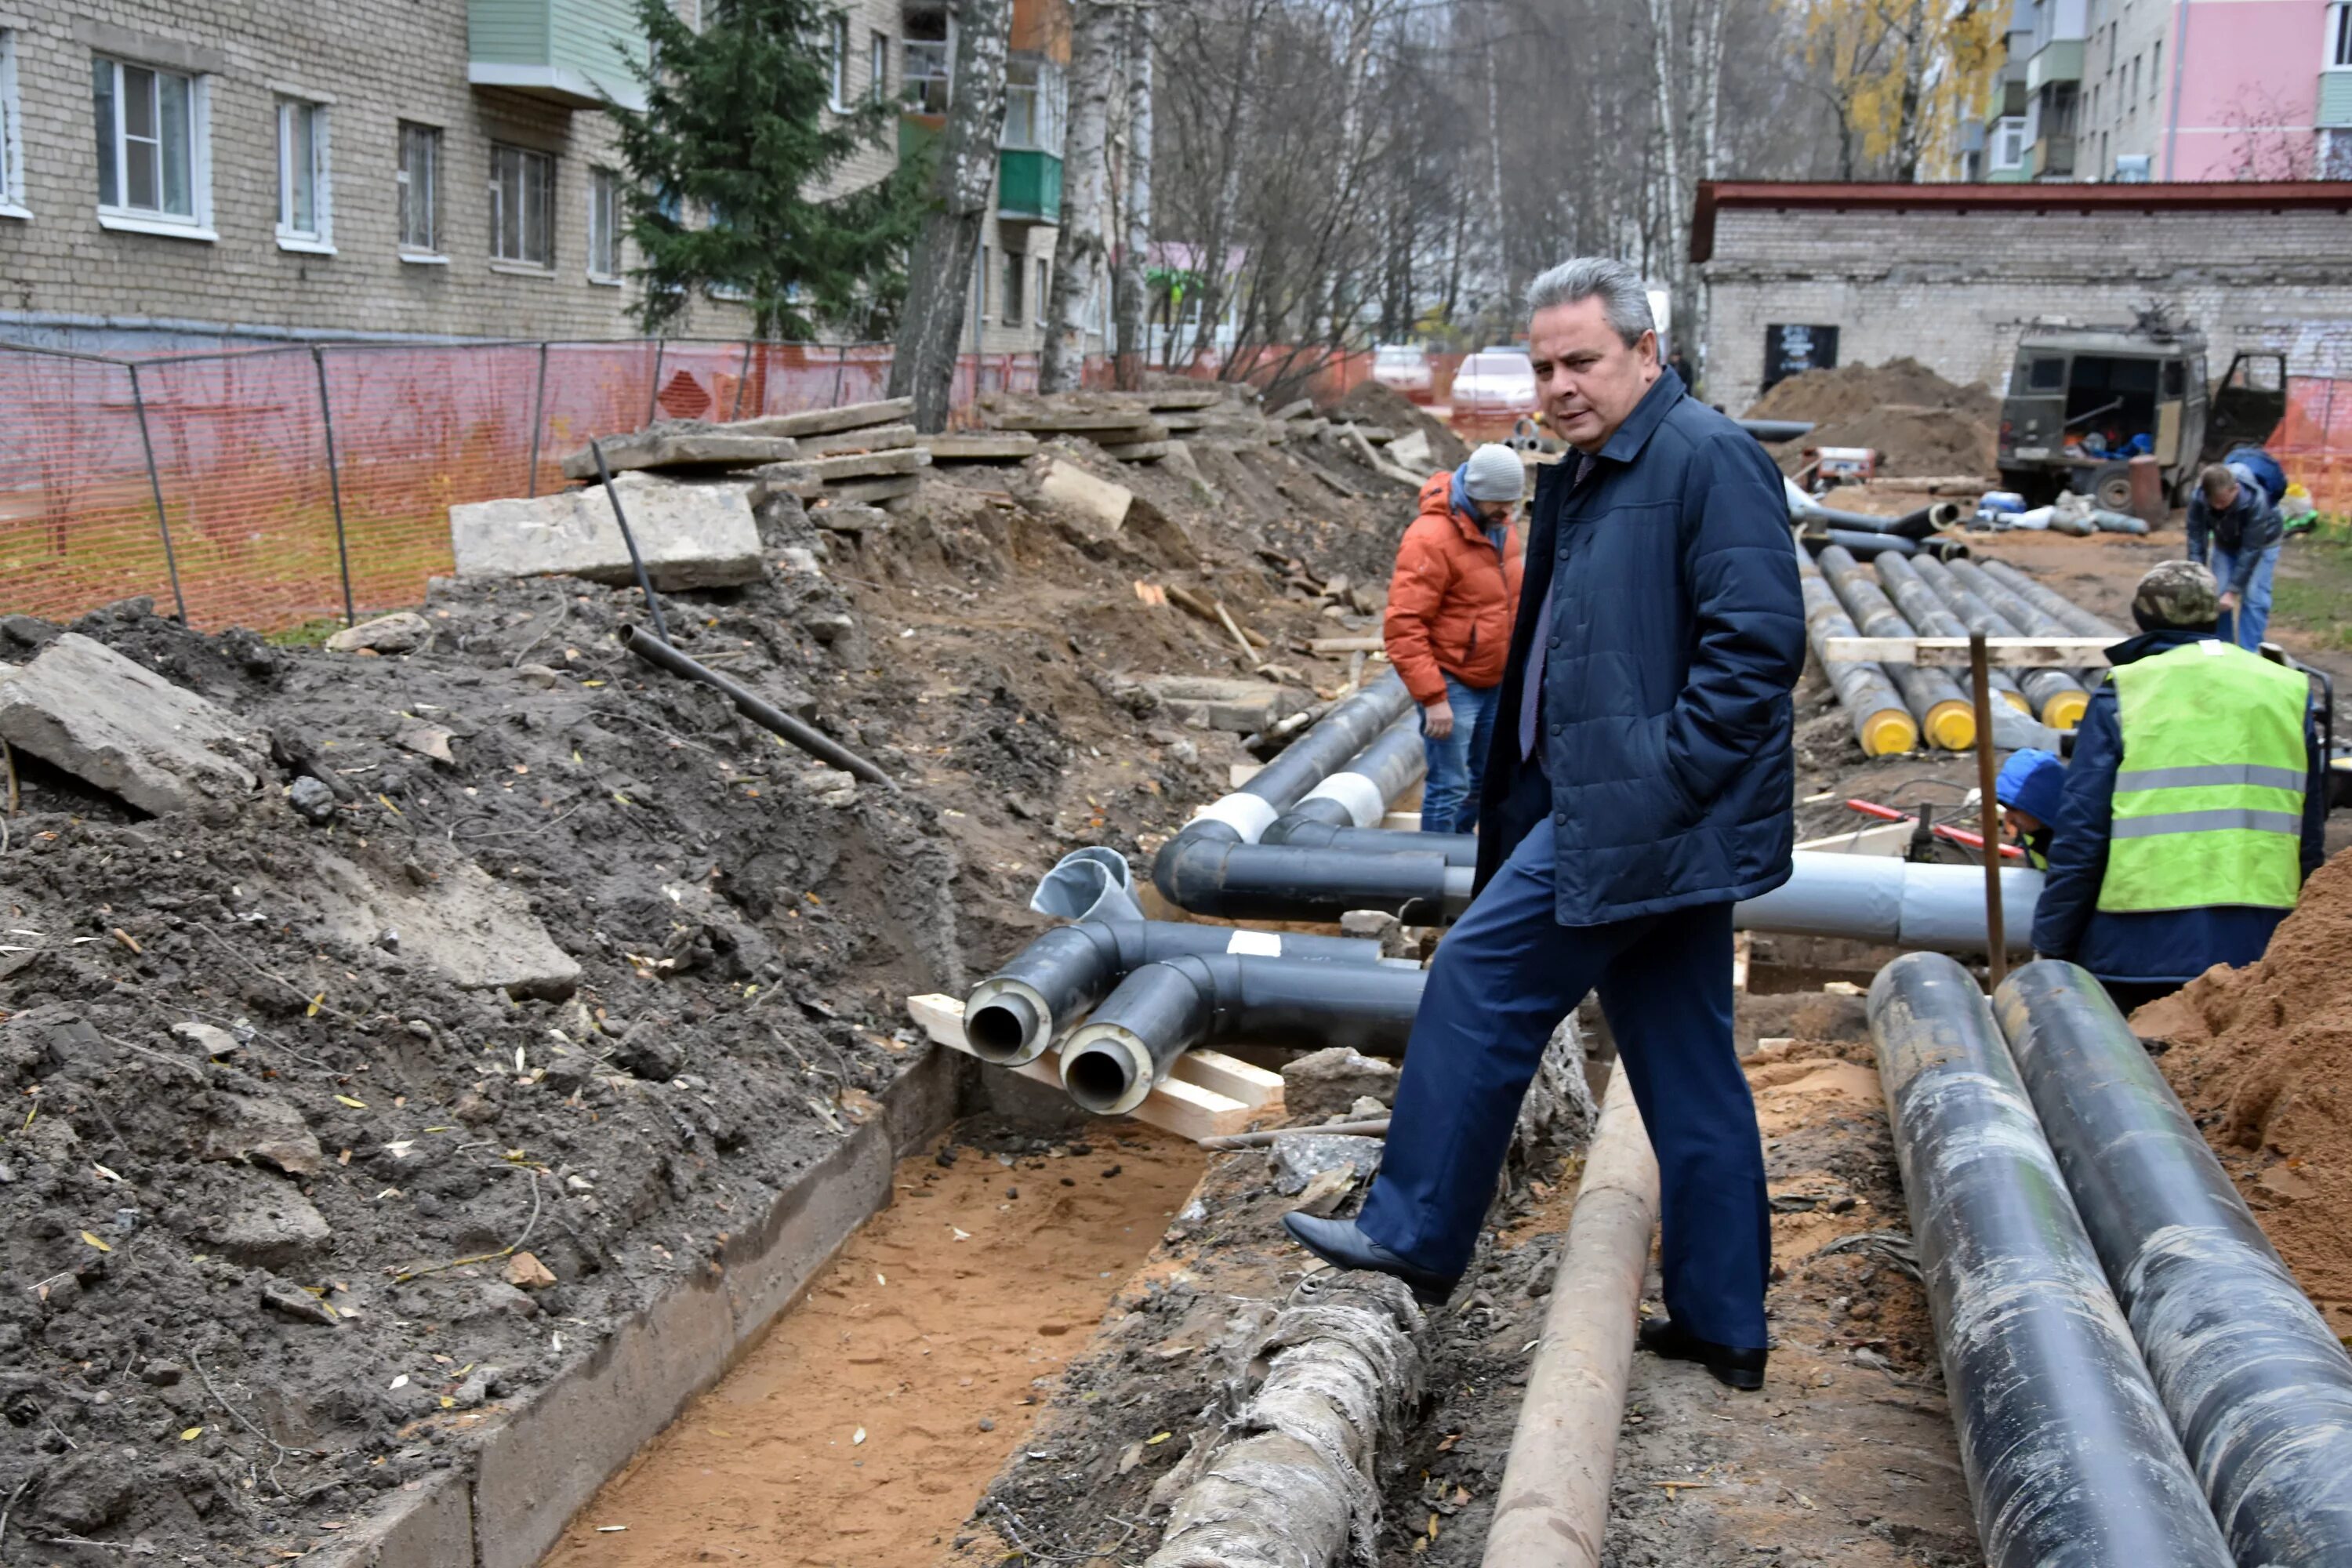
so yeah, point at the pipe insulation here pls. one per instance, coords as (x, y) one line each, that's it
(2078, 620)
(1351, 725)
(2058, 699)
(1881, 722)
(1773, 431)
(1907, 587)
(1344, 812)
(1945, 715)
(1163, 1009)
(1883, 899)
(1912, 525)
(1552, 1507)
(2257, 1386)
(2069, 1457)
(2021, 612)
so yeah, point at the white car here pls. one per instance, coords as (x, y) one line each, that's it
(1495, 384)
(1404, 368)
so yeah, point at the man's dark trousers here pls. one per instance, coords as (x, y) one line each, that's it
(1503, 979)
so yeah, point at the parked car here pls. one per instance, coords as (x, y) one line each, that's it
(1497, 384)
(1402, 367)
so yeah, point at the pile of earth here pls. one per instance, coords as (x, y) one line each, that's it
(1918, 423)
(2262, 1056)
(1373, 404)
(574, 962)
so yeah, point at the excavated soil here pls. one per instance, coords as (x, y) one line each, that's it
(2262, 1056)
(1919, 423)
(235, 1310)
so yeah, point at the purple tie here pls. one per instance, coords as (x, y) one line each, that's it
(1532, 692)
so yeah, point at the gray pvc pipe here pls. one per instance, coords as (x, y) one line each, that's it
(2257, 1386)
(2068, 1455)
(1883, 898)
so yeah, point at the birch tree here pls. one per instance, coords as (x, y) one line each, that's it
(1135, 164)
(1078, 248)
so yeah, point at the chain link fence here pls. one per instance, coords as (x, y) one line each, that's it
(272, 487)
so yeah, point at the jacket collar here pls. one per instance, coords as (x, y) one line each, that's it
(1437, 501)
(1631, 437)
(2147, 645)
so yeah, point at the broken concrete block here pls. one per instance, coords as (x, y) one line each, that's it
(849, 517)
(981, 447)
(82, 706)
(824, 421)
(880, 438)
(692, 536)
(870, 465)
(868, 492)
(1065, 484)
(265, 1223)
(404, 631)
(673, 448)
(1243, 707)
(263, 1129)
(476, 932)
(1329, 1083)
(1139, 451)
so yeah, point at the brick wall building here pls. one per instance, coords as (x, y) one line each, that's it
(1950, 275)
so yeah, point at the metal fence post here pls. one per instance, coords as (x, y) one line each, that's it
(840, 369)
(538, 420)
(334, 484)
(653, 395)
(155, 486)
(742, 380)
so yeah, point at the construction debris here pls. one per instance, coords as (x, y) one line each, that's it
(685, 444)
(81, 707)
(697, 535)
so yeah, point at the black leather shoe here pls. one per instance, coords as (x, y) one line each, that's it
(1742, 1369)
(1339, 1243)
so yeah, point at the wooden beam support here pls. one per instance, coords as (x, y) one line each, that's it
(1952, 653)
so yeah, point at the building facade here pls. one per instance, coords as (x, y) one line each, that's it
(183, 170)
(1952, 274)
(2168, 90)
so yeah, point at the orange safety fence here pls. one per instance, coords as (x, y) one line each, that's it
(2314, 443)
(205, 481)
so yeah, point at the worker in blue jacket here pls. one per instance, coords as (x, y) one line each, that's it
(2195, 807)
(1641, 781)
(2029, 788)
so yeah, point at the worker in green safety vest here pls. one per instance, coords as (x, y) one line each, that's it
(2195, 804)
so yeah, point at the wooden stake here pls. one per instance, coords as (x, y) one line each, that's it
(1981, 691)
(1249, 650)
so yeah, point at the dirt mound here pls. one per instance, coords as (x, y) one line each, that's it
(2262, 1058)
(1373, 404)
(1919, 423)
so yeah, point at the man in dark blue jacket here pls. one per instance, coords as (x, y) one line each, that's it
(2197, 907)
(1641, 780)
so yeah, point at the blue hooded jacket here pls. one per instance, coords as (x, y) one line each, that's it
(2151, 946)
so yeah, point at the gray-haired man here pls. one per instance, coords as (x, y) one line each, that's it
(1641, 781)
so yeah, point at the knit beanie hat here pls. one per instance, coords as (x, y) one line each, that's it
(1493, 473)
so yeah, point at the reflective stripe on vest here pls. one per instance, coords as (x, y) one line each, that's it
(2208, 801)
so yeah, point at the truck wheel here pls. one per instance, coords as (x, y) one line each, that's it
(2110, 486)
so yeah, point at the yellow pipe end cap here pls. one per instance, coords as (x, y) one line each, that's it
(1952, 726)
(1887, 733)
(2017, 699)
(2064, 712)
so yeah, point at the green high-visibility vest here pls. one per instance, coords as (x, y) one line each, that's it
(2209, 798)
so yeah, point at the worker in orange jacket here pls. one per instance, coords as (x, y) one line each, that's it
(1448, 629)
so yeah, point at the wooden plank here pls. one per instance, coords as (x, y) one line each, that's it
(1177, 1106)
(1240, 774)
(1228, 1075)
(1402, 821)
(1952, 653)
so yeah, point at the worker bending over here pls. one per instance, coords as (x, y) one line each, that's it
(2195, 807)
(2029, 788)
(1449, 622)
(1642, 781)
(2230, 513)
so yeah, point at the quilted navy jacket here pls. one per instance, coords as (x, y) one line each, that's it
(1664, 750)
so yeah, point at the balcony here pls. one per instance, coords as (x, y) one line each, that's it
(2053, 158)
(2335, 100)
(2061, 59)
(570, 52)
(1028, 180)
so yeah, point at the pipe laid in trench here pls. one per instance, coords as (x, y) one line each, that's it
(2257, 1386)
(1351, 725)
(1162, 1010)
(1345, 810)
(1907, 586)
(1552, 1507)
(1945, 715)
(2058, 699)
(2068, 1455)
(1881, 722)
(1883, 898)
(765, 714)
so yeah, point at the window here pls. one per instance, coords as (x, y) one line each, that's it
(2045, 375)
(1044, 295)
(1016, 273)
(878, 67)
(522, 196)
(837, 40)
(2156, 69)
(302, 182)
(2172, 378)
(151, 126)
(2339, 35)
(1033, 105)
(981, 316)
(923, 74)
(2009, 142)
(419, 181)
(604, 226)
(12, 147)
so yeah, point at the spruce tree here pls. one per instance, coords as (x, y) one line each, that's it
(738, 131)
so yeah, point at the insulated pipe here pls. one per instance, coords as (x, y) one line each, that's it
(1344, 811)
(1552, 1507)
(1946, 717)
(1214, 876)
(1905, 586)
(1863, 544)
(1162, 1010)
(2029, 618)
(1275, 789)
(2057, 697)
(1881, 722)
(2257, 1386)
(2068, 1455)
(768, 716)
(1883, 898)
(1771, 432)
(2079, 621)
(1912, 525)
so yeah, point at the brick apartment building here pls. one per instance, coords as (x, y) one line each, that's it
(183, 170)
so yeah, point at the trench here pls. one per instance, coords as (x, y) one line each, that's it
(862, 1424)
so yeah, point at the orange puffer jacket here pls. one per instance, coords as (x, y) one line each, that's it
(1452, 597)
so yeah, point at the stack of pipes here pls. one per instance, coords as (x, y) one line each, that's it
(2058, 697)
(2078, 621)
(1945, 714)
(1907, 584)
(1881, 722)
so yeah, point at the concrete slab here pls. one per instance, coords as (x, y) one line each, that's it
(660, 447)
(114, 724)
(869, 465)
(869, 492)
(982, 446)
(475, 930)
(879, 439)
(429, 1527)
(694, 535)
(1139, 451)
(824, 421)
(1100, 501)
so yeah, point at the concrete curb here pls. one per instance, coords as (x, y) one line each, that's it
(507, 1505)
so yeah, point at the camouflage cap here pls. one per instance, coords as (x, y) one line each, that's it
(2177, 594)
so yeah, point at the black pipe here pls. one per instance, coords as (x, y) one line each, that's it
(769, 717)
(2257, 1386)
(1912, 525)
(1864, 546)
(1162, 1010)
(2067, 1452)
(1300, 833)
(1340, 812)
(629, 537)
(1013, 1014)
(1210, 876)
(1348, 729)
(1772, 432)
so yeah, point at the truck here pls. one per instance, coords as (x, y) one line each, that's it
(2082, 400)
